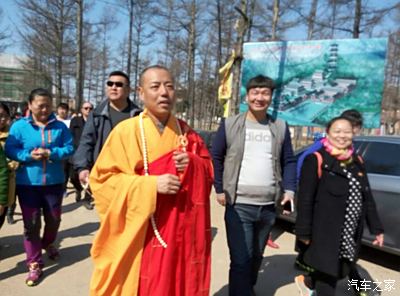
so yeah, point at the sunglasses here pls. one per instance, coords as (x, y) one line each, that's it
(87, 108)
(117, 83)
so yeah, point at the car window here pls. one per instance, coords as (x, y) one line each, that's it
(382, 158)
(357, 146)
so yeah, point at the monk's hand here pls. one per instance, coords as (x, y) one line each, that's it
(181, 159)
(221, 199)
(378, 240)
(168, 184)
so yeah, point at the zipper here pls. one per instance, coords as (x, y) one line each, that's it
(44, 160)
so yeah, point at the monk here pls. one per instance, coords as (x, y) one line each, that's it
(151, 184)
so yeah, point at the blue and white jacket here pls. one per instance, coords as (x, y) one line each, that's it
(25, 136)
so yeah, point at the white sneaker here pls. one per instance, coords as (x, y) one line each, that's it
(301, 286)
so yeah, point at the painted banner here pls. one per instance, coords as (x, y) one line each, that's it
(319, 79)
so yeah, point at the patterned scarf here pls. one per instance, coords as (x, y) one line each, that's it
(340, 154)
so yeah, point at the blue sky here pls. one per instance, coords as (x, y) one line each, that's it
(11, 19)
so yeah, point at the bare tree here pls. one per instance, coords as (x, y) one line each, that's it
(79, 54)
(143, 12)
(241, 28)
(311, 19)
(3, 35)
(275, 19)
(130, 6)
(48, 27)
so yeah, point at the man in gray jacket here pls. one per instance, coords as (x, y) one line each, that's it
(254, 166)
(116, 108)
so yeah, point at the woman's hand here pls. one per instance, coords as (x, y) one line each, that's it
(378, 240)
(36, 154)
(40, 153)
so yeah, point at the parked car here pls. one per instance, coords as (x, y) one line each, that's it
(381, 156)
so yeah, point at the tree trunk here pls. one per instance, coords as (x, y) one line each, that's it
(219, 25)
(333, 19)
(275, 20)
(130, 37)
(311, 19)
(79, 55)
(251, 16)
(241, 32)
(357, 19)
(191, 62)
(137, 55)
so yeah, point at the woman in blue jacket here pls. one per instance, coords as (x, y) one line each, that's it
(39, 143)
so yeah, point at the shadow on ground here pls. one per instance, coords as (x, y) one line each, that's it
(276, 271)
(68, 256)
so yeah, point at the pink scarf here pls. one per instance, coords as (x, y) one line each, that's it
(340, 154)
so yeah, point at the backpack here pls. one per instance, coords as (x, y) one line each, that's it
(319, 161)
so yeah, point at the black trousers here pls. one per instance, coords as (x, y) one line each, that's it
(325, 284)
(3, 217)
(74, 178)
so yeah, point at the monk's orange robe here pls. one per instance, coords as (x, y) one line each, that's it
(125, 200)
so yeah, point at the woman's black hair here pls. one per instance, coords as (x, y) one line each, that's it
(5, 108)
(39, 92)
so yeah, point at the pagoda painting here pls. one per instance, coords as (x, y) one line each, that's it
(317, 80)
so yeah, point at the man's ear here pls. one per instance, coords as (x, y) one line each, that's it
(139, 91)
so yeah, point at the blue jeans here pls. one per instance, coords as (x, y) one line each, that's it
(247, 230)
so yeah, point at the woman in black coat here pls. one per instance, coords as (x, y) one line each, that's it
(334, 199)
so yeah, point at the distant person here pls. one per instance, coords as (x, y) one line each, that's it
(255, 171)
(63, 116)
(114, 109)
(39, 143)
(151, 183)
(5, 121)
(76, 127)
(63, 113)
(334, 199)
(3, 186)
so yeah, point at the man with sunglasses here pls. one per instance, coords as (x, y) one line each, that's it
(111, 111)
(76, 127)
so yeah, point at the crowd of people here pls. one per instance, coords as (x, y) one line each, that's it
(149, 176)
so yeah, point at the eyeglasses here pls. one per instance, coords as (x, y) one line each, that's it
(117, 83)
(87, 108)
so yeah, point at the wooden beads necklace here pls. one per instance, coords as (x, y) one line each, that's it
(183, 142)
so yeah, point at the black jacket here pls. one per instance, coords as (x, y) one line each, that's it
(97, 128)
(76, 128)
(321, 209)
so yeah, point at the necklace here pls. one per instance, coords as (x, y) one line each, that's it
(183, 142)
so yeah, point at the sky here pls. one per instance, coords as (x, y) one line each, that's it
(11, 19)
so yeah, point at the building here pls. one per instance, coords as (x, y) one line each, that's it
(12, 76)
(16, 82)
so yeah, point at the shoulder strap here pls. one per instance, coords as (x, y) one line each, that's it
(319, 160)
(360, 158)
